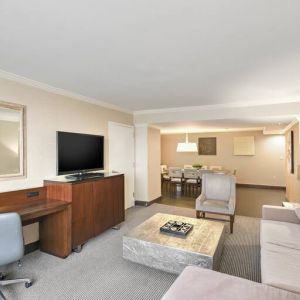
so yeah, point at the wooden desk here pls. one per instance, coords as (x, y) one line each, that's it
(54, 217)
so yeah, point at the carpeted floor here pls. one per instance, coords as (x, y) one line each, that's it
(100, 272)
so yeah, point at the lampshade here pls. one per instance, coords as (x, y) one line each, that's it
(187, 147)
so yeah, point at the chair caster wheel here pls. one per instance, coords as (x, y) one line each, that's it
(2, 276)
(28, 284)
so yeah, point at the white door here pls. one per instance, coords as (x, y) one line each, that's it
(121, 156)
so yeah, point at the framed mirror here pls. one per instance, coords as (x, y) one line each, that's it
(12, 140)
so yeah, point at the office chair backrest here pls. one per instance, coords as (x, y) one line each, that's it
(11, 238)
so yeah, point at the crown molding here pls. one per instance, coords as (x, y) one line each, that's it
(184, 131)
(145, 125)
(59, 91)
(289, 126)
(212, 107)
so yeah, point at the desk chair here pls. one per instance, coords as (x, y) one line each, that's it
(11, 246)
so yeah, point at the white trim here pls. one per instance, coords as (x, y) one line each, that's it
(59, 91)
(212, 130)
(288, 127)
(147, 125)
(119, 124)
(212, 107)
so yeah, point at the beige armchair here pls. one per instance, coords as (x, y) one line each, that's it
(217, 196)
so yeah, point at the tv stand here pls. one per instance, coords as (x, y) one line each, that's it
(97, 202)
(82, 176)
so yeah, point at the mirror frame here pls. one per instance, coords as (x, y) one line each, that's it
(22, 109)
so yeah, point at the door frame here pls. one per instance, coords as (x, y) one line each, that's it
(133, 130)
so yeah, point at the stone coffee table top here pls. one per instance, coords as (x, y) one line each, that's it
(206, 237)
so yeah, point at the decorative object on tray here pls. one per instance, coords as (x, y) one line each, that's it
(176, 227)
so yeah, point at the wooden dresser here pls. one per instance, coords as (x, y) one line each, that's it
(97, 203)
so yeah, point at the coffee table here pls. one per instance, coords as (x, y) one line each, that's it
(202, 247)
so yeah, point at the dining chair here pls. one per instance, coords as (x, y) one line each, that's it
(217, 196)
(187, 166)
(191, 181)
(165, 178)
(176, 178)
(219, 168)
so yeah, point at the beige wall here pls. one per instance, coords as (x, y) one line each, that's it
(147, 163)
(141, 164)
(267, 167)
(9, 147)
(46, 113)
(154, 158)
(292, 182)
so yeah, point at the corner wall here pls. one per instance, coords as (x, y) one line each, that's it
(292, 180)
(147, 163)
(47, 113)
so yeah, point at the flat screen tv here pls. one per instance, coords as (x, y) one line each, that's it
(78, 152)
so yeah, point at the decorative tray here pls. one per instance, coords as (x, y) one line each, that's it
(176, 228)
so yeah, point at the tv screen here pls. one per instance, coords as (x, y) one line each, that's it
(79, 152)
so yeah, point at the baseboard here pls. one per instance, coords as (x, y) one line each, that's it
(261, 186)
(32, 247)
(146, 203)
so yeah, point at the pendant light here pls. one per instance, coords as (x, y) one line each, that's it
(187, 147)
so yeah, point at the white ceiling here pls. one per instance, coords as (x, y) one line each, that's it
(268, 125)
(140, 54)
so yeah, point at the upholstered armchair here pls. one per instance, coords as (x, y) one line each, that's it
(217, 196)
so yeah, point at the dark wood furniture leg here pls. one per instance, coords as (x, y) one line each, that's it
(231, 223)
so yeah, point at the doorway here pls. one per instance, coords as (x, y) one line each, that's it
(121, 156)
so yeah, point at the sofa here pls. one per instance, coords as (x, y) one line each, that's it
(280, 248)
(280, 266)
(198, 283)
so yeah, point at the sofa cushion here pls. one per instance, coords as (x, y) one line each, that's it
(213, 206)
(197, 283)
(217, 187)
(280, 233)
(280, 255)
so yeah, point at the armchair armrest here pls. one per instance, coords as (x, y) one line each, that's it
(281, 214)
(201, 198)
(199, 201)
(231, 203)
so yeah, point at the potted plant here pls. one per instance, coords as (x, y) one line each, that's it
(197, 166)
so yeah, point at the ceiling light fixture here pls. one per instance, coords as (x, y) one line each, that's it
(187, 147)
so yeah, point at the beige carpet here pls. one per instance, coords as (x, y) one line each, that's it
(100, 272)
